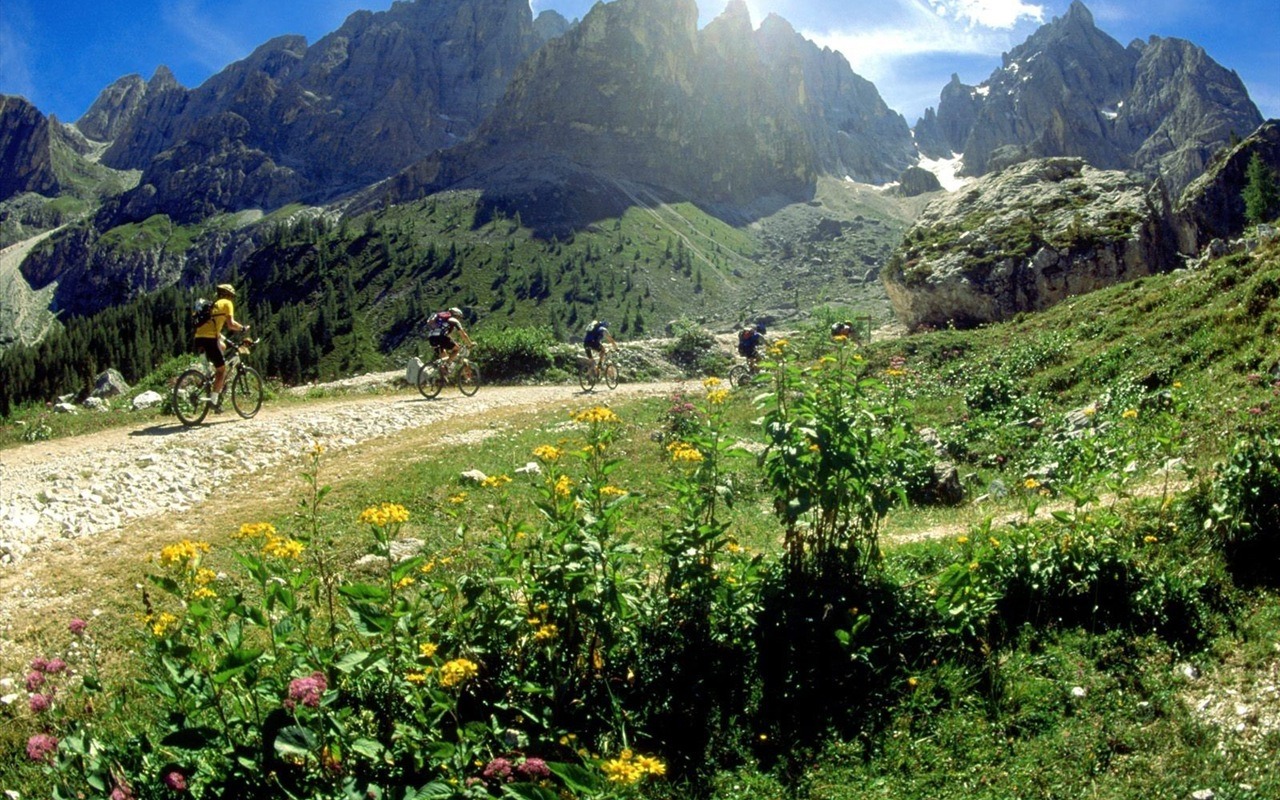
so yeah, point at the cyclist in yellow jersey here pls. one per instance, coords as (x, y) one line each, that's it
(209, 337)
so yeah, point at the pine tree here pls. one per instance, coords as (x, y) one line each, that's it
(1261, 194)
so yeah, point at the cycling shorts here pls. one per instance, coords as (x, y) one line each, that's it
(211, 351)
(442, 343)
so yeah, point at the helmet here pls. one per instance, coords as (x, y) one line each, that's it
(457, 312)
(603, 324)
(227, 289)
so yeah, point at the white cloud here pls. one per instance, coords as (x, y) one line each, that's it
(1000, 14)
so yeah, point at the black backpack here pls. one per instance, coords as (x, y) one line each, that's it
(201, 312)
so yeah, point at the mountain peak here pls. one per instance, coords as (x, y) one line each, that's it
(1080, 14)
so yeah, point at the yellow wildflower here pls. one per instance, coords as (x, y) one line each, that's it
(596, 416)
(1177, 384)
(564, 485)
(962, 540)
(280, 547)
(683, 451)
(1031, 483)
(405, 582)
(458, 499)
(384, 514)
(547, 453)
(840, 338)
(416, 677)
(256, 530)
(204, 577)
(426, 568)
(994, 541)
(204, 593)
(458, 672)
(495, 481)
(185, 553)
(717, 396)
(161, 624)
(913, 682)
(711, 383)
(1150, 539)
(973, 566)
(612, 491)
(428, 649)
(546, 633)
(1130, 413)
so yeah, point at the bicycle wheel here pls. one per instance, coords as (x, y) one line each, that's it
(246, 392)
(611, 376)
(739, 376)
(587, 376)
(468, 378)
(191, 397)
(430, 381)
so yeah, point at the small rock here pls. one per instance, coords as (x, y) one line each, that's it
(532, 468)
(1203, 794)
(475, 476)
(148, 399)
(1078, 692)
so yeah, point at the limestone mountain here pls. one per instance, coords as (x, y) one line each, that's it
(637, 95)
(310, 122)
(1161, 108)
(117, 105)
(1212, 207)
(26, 160)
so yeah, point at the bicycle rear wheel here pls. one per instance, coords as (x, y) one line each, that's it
(191, 397)
(611, 376)
(430, 380)
(739, 376)
(587, 376)
(468, 378)
(246, 392)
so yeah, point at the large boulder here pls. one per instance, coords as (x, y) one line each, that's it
(1026, 238)
(109, 384)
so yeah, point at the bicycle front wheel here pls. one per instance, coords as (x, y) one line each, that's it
(430, 381)
(611, 376)
(246, 392)
(468, 378)
(191, 397)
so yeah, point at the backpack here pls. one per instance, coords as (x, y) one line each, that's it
(201, 312)
(748, 338)
(595, 335)
(439, 324)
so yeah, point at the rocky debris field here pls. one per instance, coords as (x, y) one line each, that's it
(68, 489)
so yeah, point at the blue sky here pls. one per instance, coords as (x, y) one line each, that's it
(60, 53)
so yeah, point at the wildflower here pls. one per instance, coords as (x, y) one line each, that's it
(840, 338)
(1089, 411)
(1130, 413)
(40, 702)
(913, 682)
(41, 747)
(962, 540)
(546, 633)
(204, 593)
(458, 499)
(35, 681)
(629, 769)
(1177, 384)
(161, 624)
(428, 649)
(711, 383)
(306, 691)
(120, 793)
(1031, 483)
(175, 780)
(973, 566)
(77, 627)
(204, 577)
(54, 666)
(498, 769)
(183, 554)
(280, 547)
(683, 451)
(733, 547)
(256, 530)
(548, 453)
(495, 481)
(717, 396)
(596, 416)
(405, 582)
(458, 672)
(563, 486)
(384, 514)
(1150, 539)
(416, 677)
(534, 769)
(317, 449)
(994, 541)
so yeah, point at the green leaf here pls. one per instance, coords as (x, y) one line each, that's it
(295, 740)
(368, 748)
(190, 738)
(235, 662)
(349, 662)
(364, 592)
(370, 621)
(436, 790)
(575, 777)
(528, 791)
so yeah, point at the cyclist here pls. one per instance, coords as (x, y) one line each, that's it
(594, 341)
(440, 329)
(750, 338)
(208, 338)
(844, 329)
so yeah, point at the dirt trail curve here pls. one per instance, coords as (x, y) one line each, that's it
(54, 493)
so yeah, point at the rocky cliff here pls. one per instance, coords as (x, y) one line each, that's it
(636, 94)
(1161, 108)
(1025, 238)
(26, 163)
(1212, 207)
(379, 93)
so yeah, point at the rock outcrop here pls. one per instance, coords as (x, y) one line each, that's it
(1162, 107)
(26, 161)
(114, 109)
(1024, 239)
(1212, 207)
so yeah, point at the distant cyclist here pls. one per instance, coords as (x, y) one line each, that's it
(441, 327)
(208, 338)
(844, 329)
(594, 340)
(750, 339)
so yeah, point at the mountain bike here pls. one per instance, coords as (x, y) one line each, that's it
(192, 391)
(589, 372)
(744, 374)
(463, 372)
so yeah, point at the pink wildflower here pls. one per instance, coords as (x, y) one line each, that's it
(534, 769)
(55, 666)
(40, 702)
(35, 680)
(121, 793)
(40, 665)
(498, 769)
(41, 747)
(307, 691)
(77, 627)
(175, 780)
